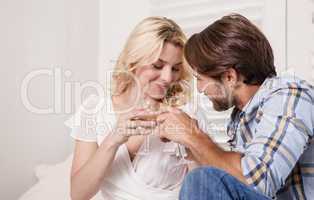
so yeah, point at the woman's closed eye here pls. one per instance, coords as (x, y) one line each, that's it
(158, 66)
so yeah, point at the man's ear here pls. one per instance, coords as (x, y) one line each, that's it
(230, 76)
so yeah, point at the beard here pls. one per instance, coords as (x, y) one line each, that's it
(221, 104)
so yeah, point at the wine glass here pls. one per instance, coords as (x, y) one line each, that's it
(145, 147)
(175, 98)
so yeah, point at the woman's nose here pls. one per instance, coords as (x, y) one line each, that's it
(166, 75)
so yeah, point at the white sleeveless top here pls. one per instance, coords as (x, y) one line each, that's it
(155, 174)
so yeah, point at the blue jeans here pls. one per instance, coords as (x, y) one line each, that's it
(207, 183)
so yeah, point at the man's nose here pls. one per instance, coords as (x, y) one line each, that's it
(200, 87)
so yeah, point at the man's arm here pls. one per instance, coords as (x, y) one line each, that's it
(208, 153)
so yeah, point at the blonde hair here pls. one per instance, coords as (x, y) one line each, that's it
(143, 47)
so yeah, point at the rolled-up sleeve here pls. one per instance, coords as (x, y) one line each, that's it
(284, 126)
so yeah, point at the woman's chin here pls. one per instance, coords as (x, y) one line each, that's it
(157, 96)
(156, 92)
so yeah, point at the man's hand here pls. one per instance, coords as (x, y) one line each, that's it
(176, 125)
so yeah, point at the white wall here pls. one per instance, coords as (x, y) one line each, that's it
(301, 38)
(38, 34)
(117, 19)
(274, 27)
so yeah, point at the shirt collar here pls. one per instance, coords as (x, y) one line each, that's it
(252, 104)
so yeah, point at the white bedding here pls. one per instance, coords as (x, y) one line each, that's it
(53, 184)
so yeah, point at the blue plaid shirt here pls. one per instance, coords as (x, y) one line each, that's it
(274, 132)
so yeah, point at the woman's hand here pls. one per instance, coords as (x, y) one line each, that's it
(137, 122)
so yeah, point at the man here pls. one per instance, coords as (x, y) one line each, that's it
(271, 124)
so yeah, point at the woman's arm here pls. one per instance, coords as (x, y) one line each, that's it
(90, 162)
(89, 167)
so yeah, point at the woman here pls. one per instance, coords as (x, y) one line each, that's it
(111, 153)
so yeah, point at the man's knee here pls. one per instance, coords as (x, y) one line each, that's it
(204, 177)
(202, 182)
(205, 173)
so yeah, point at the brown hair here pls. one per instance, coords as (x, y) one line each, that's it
(232, 41)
